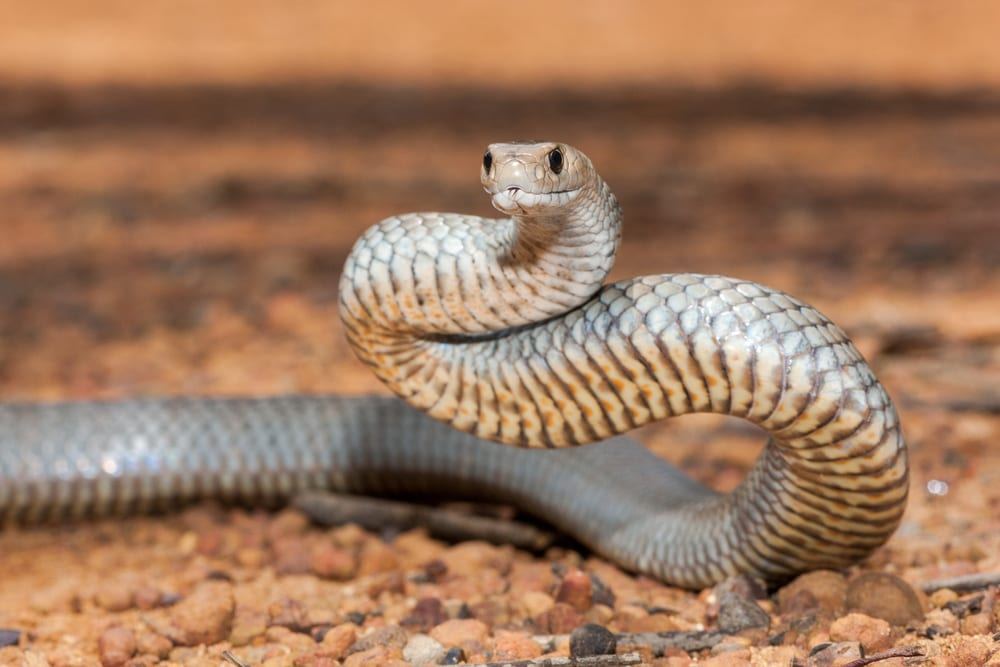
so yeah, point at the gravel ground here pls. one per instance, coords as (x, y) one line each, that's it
(187, 239)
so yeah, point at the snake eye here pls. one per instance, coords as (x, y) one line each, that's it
(487, 161)
(556, 161)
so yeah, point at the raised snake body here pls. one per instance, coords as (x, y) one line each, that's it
(504, 330)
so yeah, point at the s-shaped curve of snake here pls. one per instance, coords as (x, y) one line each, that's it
(505, 330)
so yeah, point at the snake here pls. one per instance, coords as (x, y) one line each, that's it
(506, 330)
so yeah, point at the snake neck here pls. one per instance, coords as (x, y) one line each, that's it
(414, 279)
(565, 256)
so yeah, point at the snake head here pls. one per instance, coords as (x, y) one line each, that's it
(535, 178)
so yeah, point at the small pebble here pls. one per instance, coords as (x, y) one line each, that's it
(289, 613)
(205, 616)
(530, 577)
(886, 596)
(592, 639)
(375, 557)
(738, 613)
(115, 596)
(115, 646)
(576, 590)
(492, 611)
(966, 606)
(147, 597)
(874, 634)
(247, 627)
(423, 649)
(514, 646)
(427, 613)
(468, 634)
(291, 556)
(390, 635)
(535, 603)
(435, 570)
(9, 637)
(822, 589)
(600, 614)
(338, 639)
(331, 562)
(561, 619)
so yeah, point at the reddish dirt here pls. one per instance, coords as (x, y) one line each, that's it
(175, 221)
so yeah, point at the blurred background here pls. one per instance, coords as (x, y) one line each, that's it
(180, 181)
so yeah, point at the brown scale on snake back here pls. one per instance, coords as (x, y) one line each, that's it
(504, 328)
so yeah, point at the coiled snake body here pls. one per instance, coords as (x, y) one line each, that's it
(504, 329)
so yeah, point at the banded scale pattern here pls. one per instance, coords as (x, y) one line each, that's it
(832, 483)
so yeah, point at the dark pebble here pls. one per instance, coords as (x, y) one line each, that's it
(819, 647)
(602, 592)
(777, 639)
(452, 656)
(932, 631)
(592, 639)
(427, 613)
(436, 570)
(356, 617)
(9, 637)
(738, 613)
(962, 608)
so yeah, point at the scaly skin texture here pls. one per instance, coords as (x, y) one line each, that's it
(505, 330)
(502, 329)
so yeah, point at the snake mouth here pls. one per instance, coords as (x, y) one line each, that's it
(514, 199)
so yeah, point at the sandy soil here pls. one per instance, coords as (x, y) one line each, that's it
(176, 207)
